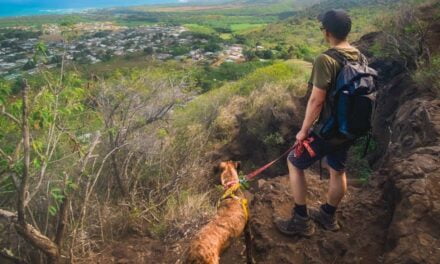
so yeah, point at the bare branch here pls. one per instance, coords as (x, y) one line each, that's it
(100, 169)
(39, 241)
(62, 216)
(42, 171)
(26, 147)
(8, 115)
(14, 259)
(7, 215)
(6, 156)
(89, 154)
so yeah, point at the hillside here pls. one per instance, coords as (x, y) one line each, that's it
(112, 162)
(390, 219)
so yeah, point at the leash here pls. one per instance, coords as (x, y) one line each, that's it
(233, 186)
(298, 147)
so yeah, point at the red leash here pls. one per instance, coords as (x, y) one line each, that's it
(298, 148)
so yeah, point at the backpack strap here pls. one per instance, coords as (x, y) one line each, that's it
(363, 59)
(337, 56)
(341, 59)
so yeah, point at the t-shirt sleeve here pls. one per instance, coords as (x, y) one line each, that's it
(322, 72)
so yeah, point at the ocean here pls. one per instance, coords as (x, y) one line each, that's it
(10, 8)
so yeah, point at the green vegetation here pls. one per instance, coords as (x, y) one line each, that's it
(209, 77)
(301, 36)
(357, 164)
(243, 28)
(199, 28)
(202, 112)
(428, 77)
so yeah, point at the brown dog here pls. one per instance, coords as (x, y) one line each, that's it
(229, 222)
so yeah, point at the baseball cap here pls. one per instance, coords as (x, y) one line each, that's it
(337, 22)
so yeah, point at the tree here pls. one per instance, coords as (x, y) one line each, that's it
(51, 248)
(45, 118)
(267, 54)
(129, 106)
(249, 54)
(148, 50)
(30, 64)
(212, 46)
(405, 37)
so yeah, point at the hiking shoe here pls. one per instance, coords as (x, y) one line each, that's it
(327, 221)
(296, 226)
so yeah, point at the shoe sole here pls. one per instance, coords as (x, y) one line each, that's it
(306, 235)
(324, 227)
(327, 229)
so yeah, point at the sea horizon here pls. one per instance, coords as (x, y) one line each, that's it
(15, 8)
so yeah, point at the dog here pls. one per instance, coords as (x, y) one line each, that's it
(229, 222)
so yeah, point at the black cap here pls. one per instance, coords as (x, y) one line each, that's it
(337, 22)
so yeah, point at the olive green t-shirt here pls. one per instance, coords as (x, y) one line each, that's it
(324, 73)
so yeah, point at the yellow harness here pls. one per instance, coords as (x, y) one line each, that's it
(243, 201)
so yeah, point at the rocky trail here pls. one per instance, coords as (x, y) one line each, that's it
(363, 217)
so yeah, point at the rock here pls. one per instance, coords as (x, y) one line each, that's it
(261, 183)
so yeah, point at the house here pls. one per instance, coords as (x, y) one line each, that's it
(8, 66)
(32, 71)
(181, 57)
(12, 76)
(51, 66)
(163, 56)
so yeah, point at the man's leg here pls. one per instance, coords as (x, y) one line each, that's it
(300, 222)
(298, 184)
(325, 215)
(337, 187)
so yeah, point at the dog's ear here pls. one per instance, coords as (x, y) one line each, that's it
(220, 167)
(238, 165)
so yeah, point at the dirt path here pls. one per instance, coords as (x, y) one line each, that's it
(362, 216)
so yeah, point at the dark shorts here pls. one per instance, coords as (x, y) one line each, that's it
(336, 156)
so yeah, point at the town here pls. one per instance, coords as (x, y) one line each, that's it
(100, 42)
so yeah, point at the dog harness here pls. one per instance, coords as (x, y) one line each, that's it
(230, 193)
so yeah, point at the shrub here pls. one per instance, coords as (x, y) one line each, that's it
(428, 76)
(405, 36)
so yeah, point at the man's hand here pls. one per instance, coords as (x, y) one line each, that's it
(302, 135)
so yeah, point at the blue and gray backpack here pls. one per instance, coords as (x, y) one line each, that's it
(352, 100)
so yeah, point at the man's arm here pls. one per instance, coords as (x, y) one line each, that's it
(314, 107)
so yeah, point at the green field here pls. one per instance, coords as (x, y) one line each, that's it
(242, 28)
(199, 28)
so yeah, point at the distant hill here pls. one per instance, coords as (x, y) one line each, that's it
(252, 2)
(321, 6)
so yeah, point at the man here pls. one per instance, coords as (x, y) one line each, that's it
(336, 25)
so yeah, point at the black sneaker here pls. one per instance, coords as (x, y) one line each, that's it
(327, 221)
(296, 226)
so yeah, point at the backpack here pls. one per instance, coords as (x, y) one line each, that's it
(352, 100)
